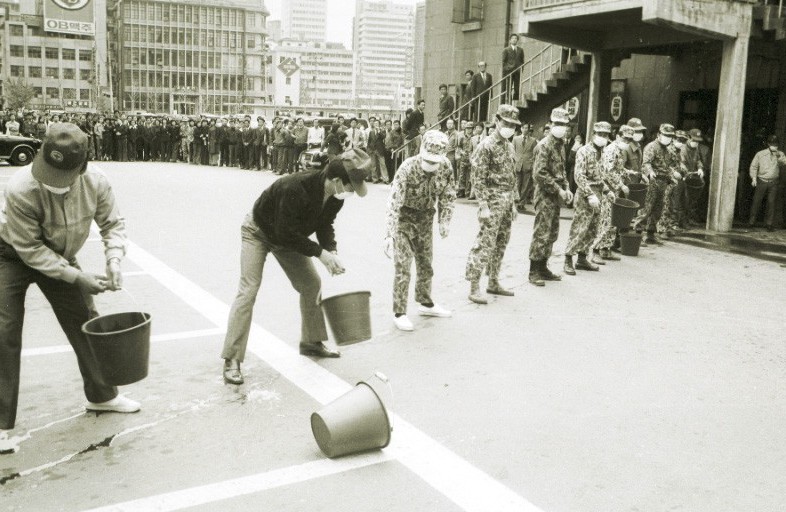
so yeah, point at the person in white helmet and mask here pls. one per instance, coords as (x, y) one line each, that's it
(422, 186)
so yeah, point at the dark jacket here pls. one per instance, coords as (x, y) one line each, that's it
(446, 106)
(290, 211)
(376, 141)
(414, 121)
(478, 86)
(511, 59)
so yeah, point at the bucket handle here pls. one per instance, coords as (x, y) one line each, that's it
(382, 377)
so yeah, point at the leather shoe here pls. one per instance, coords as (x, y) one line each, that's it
(317, 350)
(232, 373)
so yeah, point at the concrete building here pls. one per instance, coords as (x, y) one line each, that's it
(308, 73)
(721, 69)
(303, 19)
(189, 58)
(66, 71)
(383, 40)
(419, 48)
(274, 30)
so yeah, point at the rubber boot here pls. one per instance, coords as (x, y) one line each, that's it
(568, 267)
(584, 264)
(494, 288)
(475, 294)
(535, 276)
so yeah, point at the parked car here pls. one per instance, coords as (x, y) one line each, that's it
(18, 150)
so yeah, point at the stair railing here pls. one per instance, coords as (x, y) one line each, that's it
(543, 64)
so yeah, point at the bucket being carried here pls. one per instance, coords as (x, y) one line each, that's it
(121, 344)
(358, 421)
(622, 212)
(349, 316)
(638, 193)
(630, 243)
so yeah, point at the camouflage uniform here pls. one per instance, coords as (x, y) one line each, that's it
(691, 162)
(663, 162)
(550, 178)
(589, 182)
(494, 183)
(614, 157)
(674, 200)
(410, 221)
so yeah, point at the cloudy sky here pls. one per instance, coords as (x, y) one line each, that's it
(339, 17)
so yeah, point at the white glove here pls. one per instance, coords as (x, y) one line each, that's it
(389, 246)
(594, 202)
(625, 190)
(701, 174)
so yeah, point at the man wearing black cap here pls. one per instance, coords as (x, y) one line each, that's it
(281, 222)
(765, 172)
(49, 206)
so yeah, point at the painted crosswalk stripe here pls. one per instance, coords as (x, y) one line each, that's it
(467, 486)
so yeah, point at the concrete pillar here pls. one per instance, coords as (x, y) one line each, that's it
(599, 90)
(728, 131)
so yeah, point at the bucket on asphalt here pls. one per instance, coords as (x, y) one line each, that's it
(349, 316)
(638, 193)
(622, 212)
(630, 243)
(357, 421)
(121, 344)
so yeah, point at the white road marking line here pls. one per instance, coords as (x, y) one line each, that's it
(135, 273)
(467, 486)
(59, 349)
(212, 493)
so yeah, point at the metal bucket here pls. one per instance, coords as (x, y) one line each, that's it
(622, 212)
(638, 193)
(349, 316)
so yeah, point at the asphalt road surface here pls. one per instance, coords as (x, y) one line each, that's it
(656, 384)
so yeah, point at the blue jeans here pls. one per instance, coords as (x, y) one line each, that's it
(71, 308)
(301, 273)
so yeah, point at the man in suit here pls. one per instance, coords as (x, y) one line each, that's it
(524, 146)
(377, 151)
(446, 106)
(512, 59)
(412, 126)
(480, 86)
(466, 97)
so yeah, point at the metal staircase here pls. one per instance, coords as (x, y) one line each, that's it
(771, 17)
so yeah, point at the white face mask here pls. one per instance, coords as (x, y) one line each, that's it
(678, 144)
(55, 190)
(693, 144)
(506, 132)
(429, 166)
(600, 141)
(638, 137)
(664, 140)
(559, 131)
(774, 149)
(344, 194)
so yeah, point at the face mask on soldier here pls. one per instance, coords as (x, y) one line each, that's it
(638, 137)
(559, 131)
(664, 139)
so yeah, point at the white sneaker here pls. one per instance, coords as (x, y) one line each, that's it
(403, 323)
(7, 446)
(435, 310)
(117, 404)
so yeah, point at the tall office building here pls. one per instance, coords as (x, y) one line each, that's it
(420, 48)
(303, 19)
(308, 73)
(62, 59)
(188, 57)
(383, 43)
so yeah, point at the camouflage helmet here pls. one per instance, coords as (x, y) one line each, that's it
(508, 113)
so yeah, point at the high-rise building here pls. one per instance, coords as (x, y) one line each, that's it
(303, 19)
(383, 43)
(308, 73)
(190, 58)
(419, 52)
(65, 66)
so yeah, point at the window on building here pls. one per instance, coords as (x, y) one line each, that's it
(289, 81)
(34, 52)
(52, 73)
(17, 50)
(84, 74)
(69, 54)
(38, 92)
(85, 55)
(69, 93)
(250, 43)
(69, 73)
(84, 94)
(18, 71)
(34, 71)
(53, 92)
(52, 53)
(17, 30)
(467, 10)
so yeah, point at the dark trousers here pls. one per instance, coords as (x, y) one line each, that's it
(770, 190)
(261, 158)
(71, 308)
(223, 157)
(174, 150)
(514, 83)
(299, 148)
